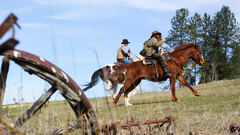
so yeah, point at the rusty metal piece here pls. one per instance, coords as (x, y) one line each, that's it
(24, 58)
(5, 128)
(116, 128)
(3, 78)
(4, 27)
(166, 120)
(7, 24)
(235, 128)
(60, 81)
(9, 44)
(35, 107)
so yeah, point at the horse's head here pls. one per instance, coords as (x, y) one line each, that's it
(197, 56)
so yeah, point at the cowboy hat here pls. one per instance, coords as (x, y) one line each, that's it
(156, 33)
(125, 41)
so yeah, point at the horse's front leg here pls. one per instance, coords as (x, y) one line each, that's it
(127, 87)
(182, 80)
(172, 86)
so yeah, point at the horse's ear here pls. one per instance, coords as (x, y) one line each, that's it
(195, 46)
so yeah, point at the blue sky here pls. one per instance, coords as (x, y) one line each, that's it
(76, 27)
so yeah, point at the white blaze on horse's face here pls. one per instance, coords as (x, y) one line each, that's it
(202, 60)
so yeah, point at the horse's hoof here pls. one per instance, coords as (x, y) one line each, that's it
(128, 104)
(197, 95)
(113, 104)
(175, 100)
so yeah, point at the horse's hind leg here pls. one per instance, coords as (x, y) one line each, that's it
(109, 87)
(114, 90)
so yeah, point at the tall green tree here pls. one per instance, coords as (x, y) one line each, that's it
(235, 58)
(179, 32)
(219, 41)
(223, 34)
(205, 48)
(195, 35)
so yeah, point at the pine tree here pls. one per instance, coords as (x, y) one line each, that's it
(205, 48)
(219, 41)
(195, 36)
(179, 32)
(235, 58)
(224, 33)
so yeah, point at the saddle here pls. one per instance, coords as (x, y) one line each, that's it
(149, 60)
(119, 65)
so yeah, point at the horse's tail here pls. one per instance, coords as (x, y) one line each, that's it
(94, 79)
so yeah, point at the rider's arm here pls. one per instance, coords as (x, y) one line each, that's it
(159, 43)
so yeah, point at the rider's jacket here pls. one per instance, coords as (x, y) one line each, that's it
(151, 47)
(121, 54)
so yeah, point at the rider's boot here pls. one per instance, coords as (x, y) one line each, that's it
(166, 72)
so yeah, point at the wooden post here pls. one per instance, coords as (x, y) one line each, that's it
(37, 105)
(3, 77)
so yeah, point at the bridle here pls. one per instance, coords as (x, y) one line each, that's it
(198, 55)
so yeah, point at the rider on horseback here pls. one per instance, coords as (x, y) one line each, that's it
(123, 52)
(151, 50)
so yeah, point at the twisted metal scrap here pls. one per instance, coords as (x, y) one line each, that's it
(59, 81)
(7, 24)
(115, 128)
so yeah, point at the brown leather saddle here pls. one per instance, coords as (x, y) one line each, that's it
(149, 60)
(119, 65)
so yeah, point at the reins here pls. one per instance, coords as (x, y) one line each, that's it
(176, 60)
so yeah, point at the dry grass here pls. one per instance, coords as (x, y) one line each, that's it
(210, 114)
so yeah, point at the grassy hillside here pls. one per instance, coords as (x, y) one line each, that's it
(211, 113)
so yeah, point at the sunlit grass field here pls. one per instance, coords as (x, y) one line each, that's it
(210, 114)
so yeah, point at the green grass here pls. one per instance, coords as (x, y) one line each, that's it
(211, 113)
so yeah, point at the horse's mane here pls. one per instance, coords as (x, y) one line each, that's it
(183, 46)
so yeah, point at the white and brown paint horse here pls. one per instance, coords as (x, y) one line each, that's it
(112, 75)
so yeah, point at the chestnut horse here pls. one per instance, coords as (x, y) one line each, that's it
(178, 58)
